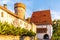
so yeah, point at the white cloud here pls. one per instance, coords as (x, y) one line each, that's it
(4, 1)
(55, 15)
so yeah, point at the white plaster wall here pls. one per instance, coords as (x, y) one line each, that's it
(33, 27)
(40, 35)
(17, 22)
(25, 24)
(41, 26)
(49, 31)
(6, 17)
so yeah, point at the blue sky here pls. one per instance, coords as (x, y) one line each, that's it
(36, 5)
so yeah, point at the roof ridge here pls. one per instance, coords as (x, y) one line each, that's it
(42, 10)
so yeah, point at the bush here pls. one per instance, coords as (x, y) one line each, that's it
(10, 29)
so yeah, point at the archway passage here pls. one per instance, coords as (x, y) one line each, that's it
(46, 36)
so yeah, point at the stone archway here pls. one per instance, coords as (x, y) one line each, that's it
(46, 36)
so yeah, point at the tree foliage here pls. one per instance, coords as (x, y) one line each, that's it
(56, 30)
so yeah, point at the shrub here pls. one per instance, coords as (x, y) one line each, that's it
(10, 29)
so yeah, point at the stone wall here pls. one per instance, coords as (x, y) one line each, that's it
(10, 37)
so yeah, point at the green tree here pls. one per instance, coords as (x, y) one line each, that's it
(56, 30)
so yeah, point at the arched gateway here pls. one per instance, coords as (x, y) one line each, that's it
(46, 36)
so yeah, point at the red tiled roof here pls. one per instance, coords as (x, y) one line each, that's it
(41, 17)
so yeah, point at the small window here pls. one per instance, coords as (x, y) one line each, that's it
(41, 30)
(1, 14)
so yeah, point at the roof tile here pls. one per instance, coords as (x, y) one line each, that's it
(41, 17)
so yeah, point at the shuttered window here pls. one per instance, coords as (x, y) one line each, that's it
(41, 30)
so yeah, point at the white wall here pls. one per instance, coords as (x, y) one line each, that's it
(6, 17)
(17, 22)
(49, 31)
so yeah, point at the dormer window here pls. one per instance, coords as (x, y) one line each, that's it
(1, 14)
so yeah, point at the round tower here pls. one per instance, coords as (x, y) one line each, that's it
(20, 10)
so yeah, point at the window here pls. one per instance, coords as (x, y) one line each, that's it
(1, 14)
(41, 30)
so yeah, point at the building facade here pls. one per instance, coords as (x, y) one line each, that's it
(43, 21)
(17, 18)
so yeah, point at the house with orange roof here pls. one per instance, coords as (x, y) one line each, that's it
(43, 21)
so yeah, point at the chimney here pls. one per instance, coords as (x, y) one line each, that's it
(5, 6)
(20, 10)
